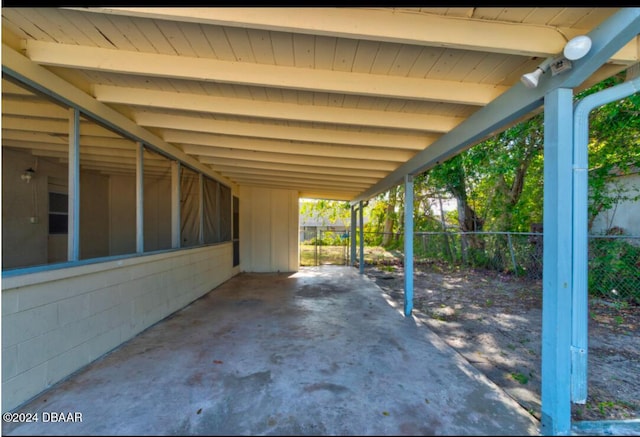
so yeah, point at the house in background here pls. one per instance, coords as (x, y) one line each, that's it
(624, 216)
(327, 220)
(150, 154)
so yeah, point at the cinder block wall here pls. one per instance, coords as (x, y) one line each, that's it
(56, 322)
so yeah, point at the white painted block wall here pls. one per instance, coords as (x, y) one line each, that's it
(56, 322)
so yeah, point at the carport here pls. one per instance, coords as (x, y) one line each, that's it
(202, 127)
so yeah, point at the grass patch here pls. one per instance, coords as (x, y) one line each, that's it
(312, 255)
(522, 379)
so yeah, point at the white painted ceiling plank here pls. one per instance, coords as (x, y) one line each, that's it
(201, 144)
(306, 168)
(330, 136)
(214, 152)
(190, 102)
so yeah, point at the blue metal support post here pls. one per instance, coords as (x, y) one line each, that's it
(175, 204)
(557, 256)
(352, 239)
(139, 197)
(201, 208)
(361, 208)
(73, 236)
(408, 245)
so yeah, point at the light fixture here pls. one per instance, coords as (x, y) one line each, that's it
(28, 175)
(530, 80)
(559, 65)
(577, 47)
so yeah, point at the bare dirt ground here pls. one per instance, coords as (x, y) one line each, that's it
(495, 322)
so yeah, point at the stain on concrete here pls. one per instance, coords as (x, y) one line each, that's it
(331, 370)
(330, 387)
(249, 302)
(315, 291)
(276, 359)
(249, 383)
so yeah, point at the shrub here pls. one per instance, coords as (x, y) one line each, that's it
(614, 270)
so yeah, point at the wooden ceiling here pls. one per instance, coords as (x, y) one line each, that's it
(326, 101)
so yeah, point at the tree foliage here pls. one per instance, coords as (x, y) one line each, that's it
(498, 183)
(614, 148)
(328, 212)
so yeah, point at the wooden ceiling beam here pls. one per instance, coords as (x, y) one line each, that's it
(141, 98)
(263, 75)
(393, 26)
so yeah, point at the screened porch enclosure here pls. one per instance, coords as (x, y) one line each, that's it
(36, 207)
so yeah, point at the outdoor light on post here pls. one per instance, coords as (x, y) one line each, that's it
(575, 49)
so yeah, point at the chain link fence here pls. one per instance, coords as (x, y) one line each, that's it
(324, 246)
(614, 267)
(519, 253)
(614, 260)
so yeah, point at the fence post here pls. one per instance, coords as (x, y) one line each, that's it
(513, 256)
(463, 248)
(315, 253)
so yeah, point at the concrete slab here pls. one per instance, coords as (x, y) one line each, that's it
(318, 352)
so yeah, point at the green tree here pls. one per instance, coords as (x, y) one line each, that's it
(391, 216)
(498, 183)
(332, 212)
(508, 171)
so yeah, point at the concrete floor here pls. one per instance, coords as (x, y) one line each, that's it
(318, 352)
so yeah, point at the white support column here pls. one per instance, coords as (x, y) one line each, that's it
(73, 236)
(175, 204)
(557, 256)
(408, 245)
(140, 198)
